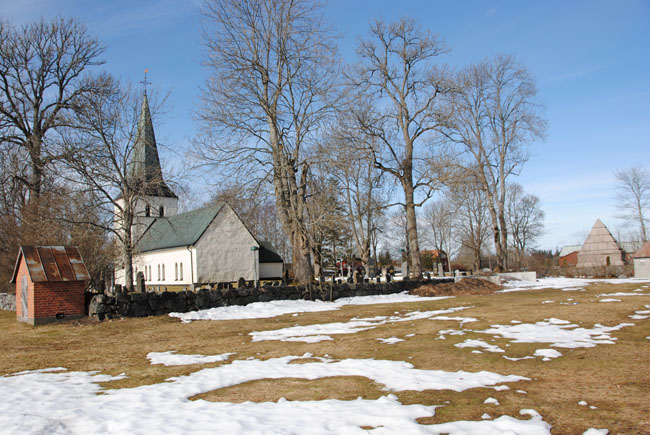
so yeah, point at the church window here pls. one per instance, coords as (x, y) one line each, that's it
(161, 211)
(147, 210)
(175, 271)
(180, 269)
(163, 272)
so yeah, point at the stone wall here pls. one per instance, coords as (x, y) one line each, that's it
(7, 302)
(154, 304)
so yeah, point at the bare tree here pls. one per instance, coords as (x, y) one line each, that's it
(496, 115)
(633, 197)
(472, 219)
(398, 108)
(272, 68)
(42, 81)
(441, 222)
(525, 220)
(104, 167)
(363, 197)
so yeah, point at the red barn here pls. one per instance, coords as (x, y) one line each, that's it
(50, 284)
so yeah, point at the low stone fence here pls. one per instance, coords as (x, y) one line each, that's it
(7, 302)
(155, 304)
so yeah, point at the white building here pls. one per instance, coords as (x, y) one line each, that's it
(642, 262)
(176, 251)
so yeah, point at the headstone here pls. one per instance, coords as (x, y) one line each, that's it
(355, 277)
(285, 277)
(241, 283)
(388, 278)
(139, 282)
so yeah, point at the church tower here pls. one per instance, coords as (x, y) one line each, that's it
(156, 199)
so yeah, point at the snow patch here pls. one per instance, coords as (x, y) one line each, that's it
(480, 343)
(263, 310)
(170, 358)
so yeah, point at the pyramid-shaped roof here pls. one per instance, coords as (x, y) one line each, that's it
(144, 165)
(600, 240)
(644, 252)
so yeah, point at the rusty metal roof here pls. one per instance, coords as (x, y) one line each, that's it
(52, 263)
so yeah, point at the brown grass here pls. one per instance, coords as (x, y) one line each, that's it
(615, 378)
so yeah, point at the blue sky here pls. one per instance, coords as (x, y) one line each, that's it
(591, 60)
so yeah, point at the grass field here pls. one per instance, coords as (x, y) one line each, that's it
(613, 379)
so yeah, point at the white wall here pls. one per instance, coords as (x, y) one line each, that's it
(642, 267)
(141, 221)
(170, 258)
(271, 270)
(224, 250)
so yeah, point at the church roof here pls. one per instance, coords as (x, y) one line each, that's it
(178, 230)
(144, 164)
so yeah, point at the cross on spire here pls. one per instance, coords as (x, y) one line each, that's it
(145, 82)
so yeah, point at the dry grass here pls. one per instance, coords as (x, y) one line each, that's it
(615, 378)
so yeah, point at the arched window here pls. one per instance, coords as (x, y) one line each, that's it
(175, 271)
(181, 272)
(147, 210)
(161, 211)
(163, 270)
(608, 261)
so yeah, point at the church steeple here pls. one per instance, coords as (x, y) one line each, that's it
(145, 163)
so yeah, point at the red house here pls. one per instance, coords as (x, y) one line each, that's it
(50, 284)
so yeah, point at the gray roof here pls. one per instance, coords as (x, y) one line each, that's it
(144, 164)
(183, 229)
(567, 249)
(268, 254)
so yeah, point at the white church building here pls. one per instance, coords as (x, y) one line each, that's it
(182, 251)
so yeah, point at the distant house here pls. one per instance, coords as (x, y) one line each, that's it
(569, 256)
(600, 249)
(207, 245)
(642, 261)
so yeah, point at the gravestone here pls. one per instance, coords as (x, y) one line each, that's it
(241, 283)
(139, 282)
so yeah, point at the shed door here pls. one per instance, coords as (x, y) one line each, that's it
(23, 297)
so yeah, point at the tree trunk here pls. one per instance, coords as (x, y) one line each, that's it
(127, 248)
(411, 229)
(302, 268)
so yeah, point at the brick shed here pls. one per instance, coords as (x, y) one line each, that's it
(50, 283)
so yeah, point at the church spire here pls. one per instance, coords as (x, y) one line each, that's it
(145, 163)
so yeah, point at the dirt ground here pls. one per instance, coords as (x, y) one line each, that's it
(466, 286)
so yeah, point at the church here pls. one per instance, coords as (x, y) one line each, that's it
(182, 251)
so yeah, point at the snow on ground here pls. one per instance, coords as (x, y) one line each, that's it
(561, 333)
(641, 314)
(68, 401)
(547, 354)
(561, 283)
(592, 431)
(170, 358)
(609, 300)
(619, 294)
(322, 331)
(491, 400)
(391, 340)
(263, 310)
(499, 426)
(480, 343)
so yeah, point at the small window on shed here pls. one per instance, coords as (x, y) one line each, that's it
(159, 272)
(175, 271)
(608, 261)
(147, 210)
(181, 272)
(163, 270)
(161, 211)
